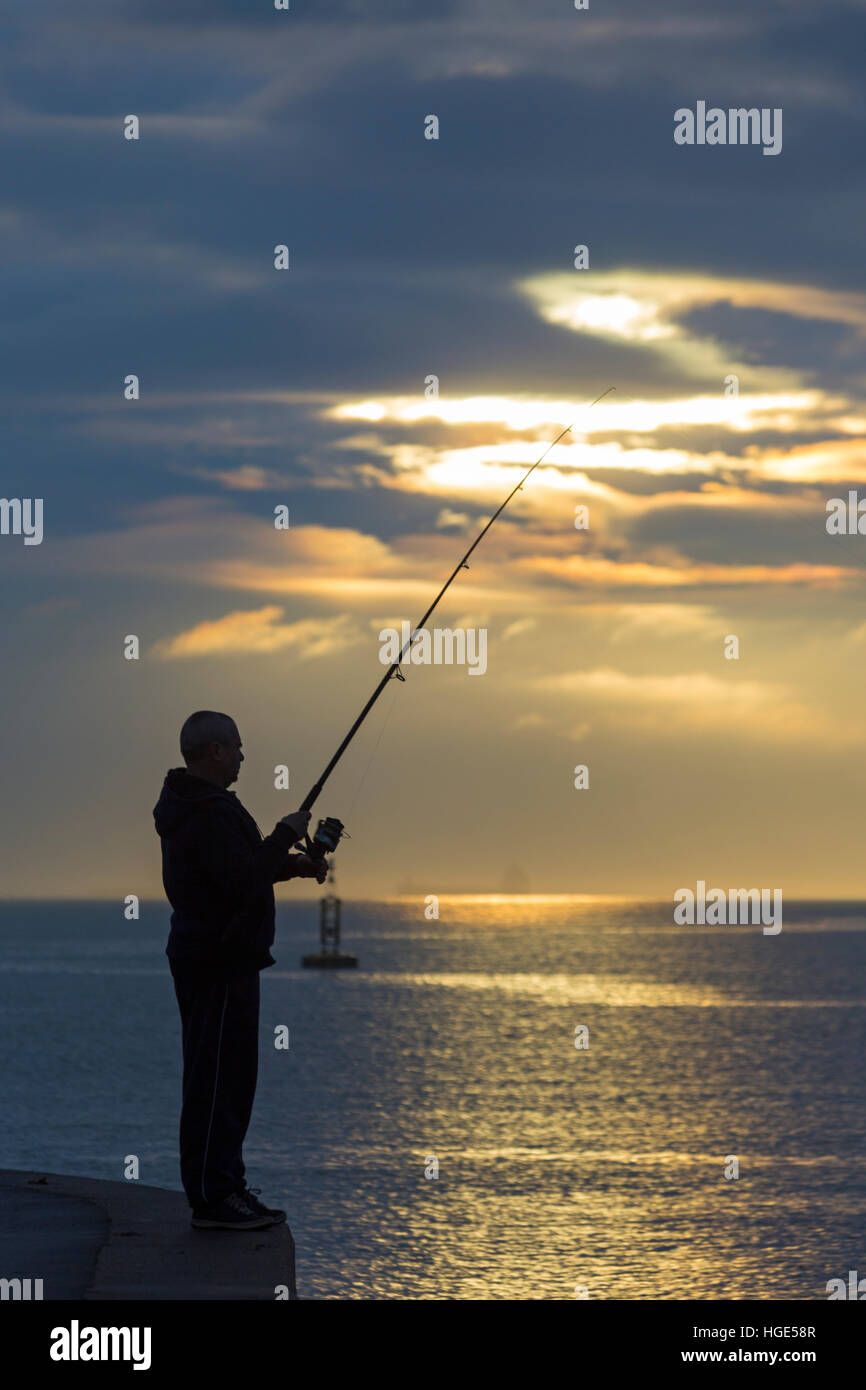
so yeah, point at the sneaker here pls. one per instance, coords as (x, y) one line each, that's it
(249, 1196)
(231, 1214)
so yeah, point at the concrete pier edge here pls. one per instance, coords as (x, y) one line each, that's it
(101, 1241)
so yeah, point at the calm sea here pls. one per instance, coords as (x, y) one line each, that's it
(454, 1040)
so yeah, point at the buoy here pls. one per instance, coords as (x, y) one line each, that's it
(330, 957)
(333, 960)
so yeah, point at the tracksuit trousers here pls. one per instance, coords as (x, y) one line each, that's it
(220, 1021)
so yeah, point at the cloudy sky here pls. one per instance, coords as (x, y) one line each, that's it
(454, 258)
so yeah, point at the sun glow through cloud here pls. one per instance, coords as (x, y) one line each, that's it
(784, 410)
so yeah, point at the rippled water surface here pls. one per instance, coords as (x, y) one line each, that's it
(454, 1040)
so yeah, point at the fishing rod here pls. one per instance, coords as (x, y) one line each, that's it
(330, 830)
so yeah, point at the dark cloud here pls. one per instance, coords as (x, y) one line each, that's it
(740, 536)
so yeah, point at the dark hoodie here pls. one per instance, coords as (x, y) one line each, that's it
(218, 873)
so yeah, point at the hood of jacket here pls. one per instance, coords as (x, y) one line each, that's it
(184, 795)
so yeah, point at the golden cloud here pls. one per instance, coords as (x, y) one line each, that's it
(694, 699)
(260, 630)
(589, 570)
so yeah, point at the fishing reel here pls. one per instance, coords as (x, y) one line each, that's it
(328, 834)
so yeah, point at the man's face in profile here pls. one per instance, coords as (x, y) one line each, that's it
(231, 757)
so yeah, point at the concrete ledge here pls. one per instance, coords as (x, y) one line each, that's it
(122, 1240)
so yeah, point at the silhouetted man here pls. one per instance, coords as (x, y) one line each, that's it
(218, 874)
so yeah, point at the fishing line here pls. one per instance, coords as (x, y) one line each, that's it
(389, 711)
(328, 834)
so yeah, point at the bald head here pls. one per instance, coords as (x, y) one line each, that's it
(211, 747)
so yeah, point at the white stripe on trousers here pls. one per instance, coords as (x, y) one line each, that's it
(213, 1103)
